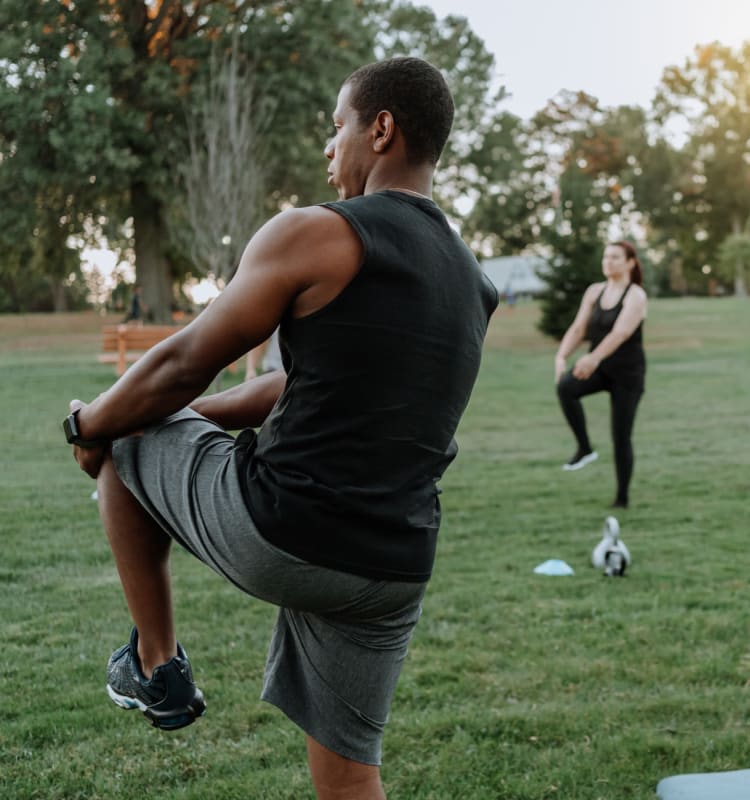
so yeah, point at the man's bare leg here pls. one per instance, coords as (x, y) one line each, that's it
(141, 551)
(337, 778)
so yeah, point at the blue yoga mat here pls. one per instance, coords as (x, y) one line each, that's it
(708, 786)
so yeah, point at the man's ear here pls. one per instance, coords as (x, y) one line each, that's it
(384, 129)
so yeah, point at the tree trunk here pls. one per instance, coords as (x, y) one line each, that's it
(11, 290)
(57, 263)
(677, 282)
(740, 287)
(151, 266)
(59, 296)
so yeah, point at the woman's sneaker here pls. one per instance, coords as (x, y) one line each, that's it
(169, 699)
(580, 460)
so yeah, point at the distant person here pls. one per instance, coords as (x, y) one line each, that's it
(331, 509)
(137, 307)
(266, 357)
(611, 317)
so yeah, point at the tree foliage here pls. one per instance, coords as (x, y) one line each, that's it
(169, 127)
(54, 139)
(733, 258)
(87, 85)
(592, 200)
(101, 86)
(710, 94)
(452, 46)
(225, 172)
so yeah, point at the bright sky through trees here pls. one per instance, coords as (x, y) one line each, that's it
(613, 50)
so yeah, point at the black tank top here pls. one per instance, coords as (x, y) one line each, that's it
(343, 472)
(628, 362)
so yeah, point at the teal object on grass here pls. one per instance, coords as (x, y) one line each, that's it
(554, 566)
(733, 785)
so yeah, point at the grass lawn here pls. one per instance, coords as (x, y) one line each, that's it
(517, 686)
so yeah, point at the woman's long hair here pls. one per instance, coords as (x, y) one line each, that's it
(636, 271)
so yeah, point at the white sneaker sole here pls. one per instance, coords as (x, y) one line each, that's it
(127, 703)
(179, 719)
(581, 463)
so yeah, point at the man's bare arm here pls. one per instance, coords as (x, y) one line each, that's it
(299, 260)
(243, 406)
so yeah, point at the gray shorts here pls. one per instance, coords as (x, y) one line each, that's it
(339, 640)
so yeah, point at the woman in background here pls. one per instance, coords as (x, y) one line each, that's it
(611, 317)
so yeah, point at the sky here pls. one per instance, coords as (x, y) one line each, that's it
(615, 51)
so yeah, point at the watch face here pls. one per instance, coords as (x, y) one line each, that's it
(70, 428)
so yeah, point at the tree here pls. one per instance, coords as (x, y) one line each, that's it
(120, 70)
(509, 190)
(258, 120)
(576, 245)
(593, 200)
(710, 94)
(734, 257)
(658, 189)
(54, 138)
(87, 82)
(93, 128)
(225, 174)
(299, 55)
(452, 46)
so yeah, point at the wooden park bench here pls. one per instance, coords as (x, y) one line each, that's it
(123, 344)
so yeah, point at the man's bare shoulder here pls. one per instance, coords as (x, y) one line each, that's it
(309, 223)
(311, 237)
(299, 236)
(309, 253)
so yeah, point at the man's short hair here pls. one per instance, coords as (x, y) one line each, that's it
(417, 96)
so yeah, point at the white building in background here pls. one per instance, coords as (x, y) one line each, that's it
(516, 275)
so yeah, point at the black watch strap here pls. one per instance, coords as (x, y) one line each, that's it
(73, 435)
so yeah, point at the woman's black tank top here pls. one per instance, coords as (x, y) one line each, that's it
(628, 362)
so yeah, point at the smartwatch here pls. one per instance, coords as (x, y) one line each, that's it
(73, 435)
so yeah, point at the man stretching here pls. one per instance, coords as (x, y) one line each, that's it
(331, 510)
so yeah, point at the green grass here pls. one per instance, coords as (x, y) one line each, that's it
(517, 686)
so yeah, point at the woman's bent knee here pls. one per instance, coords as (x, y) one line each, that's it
(566, 386)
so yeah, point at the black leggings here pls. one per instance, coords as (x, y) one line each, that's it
(623, 404)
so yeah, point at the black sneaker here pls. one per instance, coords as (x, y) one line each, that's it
(580, 460)
(169, 700)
